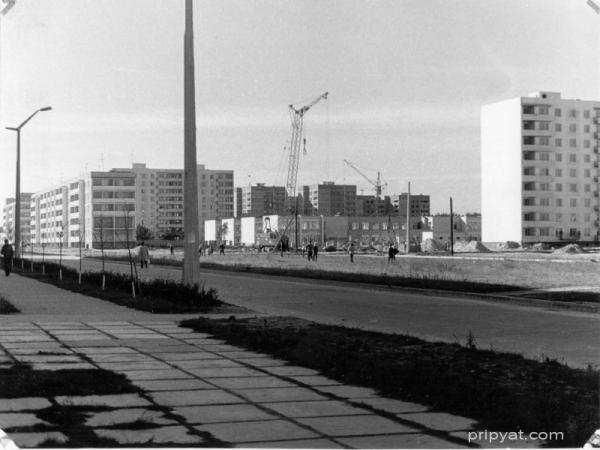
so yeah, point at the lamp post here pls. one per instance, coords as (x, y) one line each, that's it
(18, 187)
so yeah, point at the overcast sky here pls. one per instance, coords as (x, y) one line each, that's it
(406, 80)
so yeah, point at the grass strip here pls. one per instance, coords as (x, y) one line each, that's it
(439, 282)
(7, 307)
(156, 296)
(503, 391)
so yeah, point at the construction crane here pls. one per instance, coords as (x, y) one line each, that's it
(377, 185)
(297, 118)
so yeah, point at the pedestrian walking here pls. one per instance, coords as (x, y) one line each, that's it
(7, 256)
(315, 252)
(171, 249)
(222, 249)
(351, 252)
(144, 255)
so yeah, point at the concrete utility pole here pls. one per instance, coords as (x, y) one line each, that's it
(451, 229)
(191, 265)
(17, 218)
(408, 220)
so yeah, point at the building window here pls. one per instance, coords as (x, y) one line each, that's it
(572, 157)
(586, 143)
(573, 203)
(544, 126)
(557, 127)
(543, 110)
(529, 231)
(544, 217)
(544, 202)
(545, 231)
(529, 217)
(587, 158)
(559, 202)
(573, 173)
(586, 128)
(558, 142)
(543, 140)
(572, 128)
(572, 143)
(557, 112)
(544, 156)
(573, 187)
(528, 140)
(558, 172)
(558, 187)
(530, 186)
(558, 157)
(529, 171)
(572, 113)
(586, 114)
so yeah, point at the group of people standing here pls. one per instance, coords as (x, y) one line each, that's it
(312, 251)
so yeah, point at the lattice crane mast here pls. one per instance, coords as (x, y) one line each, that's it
(377, 185)
(297, 139)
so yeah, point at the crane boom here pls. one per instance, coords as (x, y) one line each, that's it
(297, 118)
(377, 185)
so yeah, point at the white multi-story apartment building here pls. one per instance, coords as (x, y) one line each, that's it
(539, 161)
(8, 218)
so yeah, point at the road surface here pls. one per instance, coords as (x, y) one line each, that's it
(569, 337)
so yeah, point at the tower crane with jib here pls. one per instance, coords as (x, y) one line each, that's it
(297, 138)
(377, 185)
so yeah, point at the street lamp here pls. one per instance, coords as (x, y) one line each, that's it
(18, 188)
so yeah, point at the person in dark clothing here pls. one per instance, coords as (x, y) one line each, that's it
(392, 254)
(351, 252)
(7, 255)
(171, 249)
(222, 249)
(315, 252)
(309, 251)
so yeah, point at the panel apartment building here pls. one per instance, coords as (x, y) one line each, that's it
(329, 199)
(104, 208)
(539, 161)
(8, 218)
(260, 200)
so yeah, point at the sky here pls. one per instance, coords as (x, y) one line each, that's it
(406, 81)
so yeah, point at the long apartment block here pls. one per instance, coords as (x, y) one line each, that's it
(540, 170)
(104, 208)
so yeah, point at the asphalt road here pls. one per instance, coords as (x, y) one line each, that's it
(570, 337)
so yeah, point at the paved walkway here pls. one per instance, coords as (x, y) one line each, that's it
(194, 389)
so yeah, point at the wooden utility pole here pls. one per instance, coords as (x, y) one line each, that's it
(191, 265)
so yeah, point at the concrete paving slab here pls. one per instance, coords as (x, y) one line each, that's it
(23, 404)
(186, 356)
(291, 370)
(251, 382)
(225, 372)
(393, 406)
(34, 440)
(441, 421)
(199, 397)
(314, 409)
(279, 394)
(410, 440)
(127, 416)
(271, 430)
(168, 374)
(262, 362)
(18, 339)
(245, 355)
(120, 357)
(102, 350)
(222, 413)
(356, 425)
(173, 385)
(61, 366)
(167, 349)
(13, 420)
(348, 391)
(79, 338)
(197, 338)
(136, 365)
(57, 350)
(37, 358)
(113, 401)
(217, 348)
(160, 435)
(298, 443)
(315, 380)
(206, 363)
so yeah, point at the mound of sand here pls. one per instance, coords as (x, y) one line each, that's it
(570, 248)
(431, 245)
(541, 246)
(470, 247)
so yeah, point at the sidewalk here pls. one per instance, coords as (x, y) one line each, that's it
(192, 389)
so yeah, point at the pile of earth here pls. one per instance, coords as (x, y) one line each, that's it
(508, 245)
(470, 247)
(570, 248)
(431, 245)
(541, 246)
